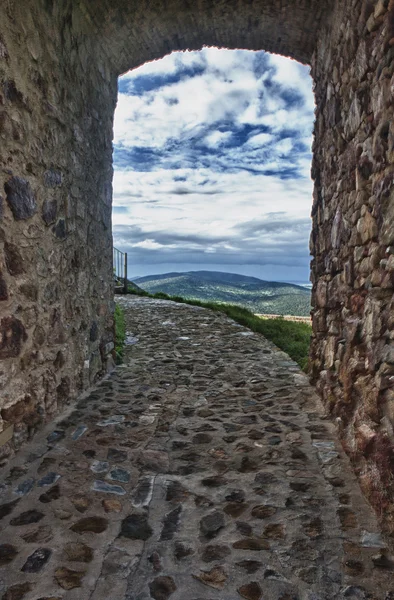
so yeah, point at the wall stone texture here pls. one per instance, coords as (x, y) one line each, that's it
(56, 112)
(59, 63)
(352, 242)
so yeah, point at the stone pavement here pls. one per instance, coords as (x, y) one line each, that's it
(203, 468)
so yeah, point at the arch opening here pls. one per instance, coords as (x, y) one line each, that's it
(212, 153)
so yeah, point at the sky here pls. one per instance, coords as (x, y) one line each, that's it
(212, 156)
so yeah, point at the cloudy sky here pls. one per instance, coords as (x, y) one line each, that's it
(212, 154)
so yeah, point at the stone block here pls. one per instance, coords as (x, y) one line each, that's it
(53, 178)
(3, 288)
(387, 226)
(385, 377)
(380, 8)
(30, 291)
(13, 259)
(95, 366)
(63, 390)
(94, 331)
(389, 405)
(12, 337)
(321, 294)
(60, 229)
(364, 436)
(367, 227)
(20, 198)
(6, 433)
(49, 211)
(16, 413)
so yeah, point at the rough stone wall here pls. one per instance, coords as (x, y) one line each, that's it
(56, 107)
(59, 62)
(352, 241)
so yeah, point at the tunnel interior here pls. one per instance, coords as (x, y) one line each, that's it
(59, 65)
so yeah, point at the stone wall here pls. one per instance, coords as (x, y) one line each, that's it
(352, 358)
(59, 62)
(56, 108)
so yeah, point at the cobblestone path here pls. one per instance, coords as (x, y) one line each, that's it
(201, 469)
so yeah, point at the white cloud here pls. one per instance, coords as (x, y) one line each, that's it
(240, 197)
(293, 75)
(217, 137)
(205, 142)
(284, 147)
(167, 65)
(228, 88)
(147, 245)
(259, 140)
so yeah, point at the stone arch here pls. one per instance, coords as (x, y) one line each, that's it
(59, 63)
(149, 31)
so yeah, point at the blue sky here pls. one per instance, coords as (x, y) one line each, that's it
(212, 153)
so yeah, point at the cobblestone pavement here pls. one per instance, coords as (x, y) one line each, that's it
(203, 468)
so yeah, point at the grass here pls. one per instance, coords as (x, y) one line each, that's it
(290, 336)
(120, 333)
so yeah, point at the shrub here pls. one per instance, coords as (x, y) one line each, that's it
(120, 333)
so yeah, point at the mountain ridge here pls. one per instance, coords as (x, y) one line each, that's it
(258, 295)
(214, 276)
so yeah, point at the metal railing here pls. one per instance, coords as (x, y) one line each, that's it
(120, 268)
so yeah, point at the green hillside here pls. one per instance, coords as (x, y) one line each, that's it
(259, 296)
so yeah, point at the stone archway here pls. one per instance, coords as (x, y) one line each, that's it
(59, 63)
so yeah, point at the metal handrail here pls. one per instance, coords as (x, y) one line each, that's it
(119, 261)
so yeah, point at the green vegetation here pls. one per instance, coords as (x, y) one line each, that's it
(134, 286)
(290, 336)
(265, 297)
(137, 292)
(120, 333)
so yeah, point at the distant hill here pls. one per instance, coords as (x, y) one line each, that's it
(266, 297)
